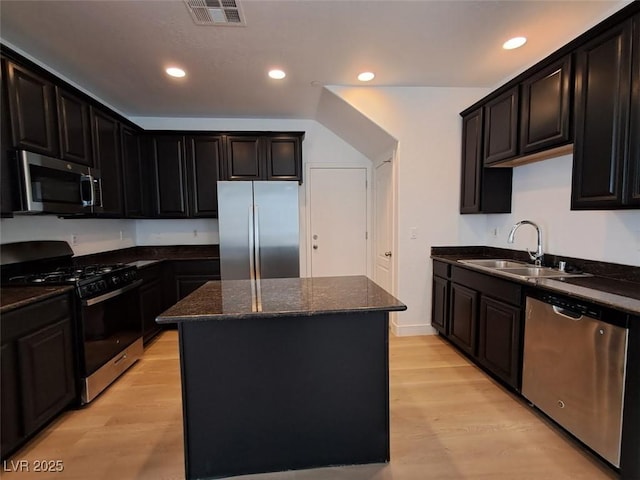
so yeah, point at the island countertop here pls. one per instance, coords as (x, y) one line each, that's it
(281, 297)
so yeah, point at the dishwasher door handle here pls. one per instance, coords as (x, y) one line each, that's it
(570, 314)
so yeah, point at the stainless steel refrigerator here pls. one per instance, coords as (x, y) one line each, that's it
(259, 230)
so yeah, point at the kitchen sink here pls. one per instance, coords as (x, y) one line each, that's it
(495, 263)
(515, 268)
(535, 272)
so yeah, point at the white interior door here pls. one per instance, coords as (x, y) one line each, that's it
(338, 221)
(383, 221)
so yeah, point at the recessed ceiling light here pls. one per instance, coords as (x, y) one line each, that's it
(175, 72)
(515, 42)
(277, 74)
(366, 76)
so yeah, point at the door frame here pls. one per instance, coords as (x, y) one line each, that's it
(307, 211)
(390, 156)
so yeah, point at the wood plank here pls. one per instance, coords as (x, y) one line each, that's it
(448, 421)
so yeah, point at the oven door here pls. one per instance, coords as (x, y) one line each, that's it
(111, 334)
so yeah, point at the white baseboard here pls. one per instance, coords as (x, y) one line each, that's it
(411, 330)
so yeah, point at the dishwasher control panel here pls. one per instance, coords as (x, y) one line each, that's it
(573, 305)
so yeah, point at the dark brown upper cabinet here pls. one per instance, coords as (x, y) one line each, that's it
(264, 157)
(6, 180)
(483, 190)
(244, 158)
(32, 108)
(74, 128)
(633, 172)
(602, 114)
(501, 127)
(545, 113)
(134, 185)
(170, 177)
(106, 155)
(283, 157)
(204, 169)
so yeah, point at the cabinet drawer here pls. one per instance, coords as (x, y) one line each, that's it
(197, 267)
(497, 288)
(441, 269)
(26, 319)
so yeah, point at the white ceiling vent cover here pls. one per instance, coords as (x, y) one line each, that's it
(216, 12)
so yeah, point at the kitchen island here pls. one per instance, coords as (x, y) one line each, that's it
(284, 374)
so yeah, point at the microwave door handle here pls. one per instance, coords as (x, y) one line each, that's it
(87, 203)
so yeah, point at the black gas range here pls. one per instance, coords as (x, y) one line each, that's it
(88, 280)
(108, 326)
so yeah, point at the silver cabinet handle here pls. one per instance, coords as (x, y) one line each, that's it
(387, 254)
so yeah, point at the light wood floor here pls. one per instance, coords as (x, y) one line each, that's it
(448, 421)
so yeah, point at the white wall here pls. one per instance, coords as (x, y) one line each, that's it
(91, 235)
(427, 124)
(320, 145)
(542, 193)
(96, 235)
(428, 128)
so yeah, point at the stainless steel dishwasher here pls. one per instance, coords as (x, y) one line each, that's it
(574, 369)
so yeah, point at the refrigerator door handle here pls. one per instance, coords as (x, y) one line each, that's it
(256, 223)
(252, 274)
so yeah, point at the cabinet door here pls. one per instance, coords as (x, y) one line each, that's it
(74, 128)
(244, 160)
(482, 190)
(134, 205)
(283, 158)
(603, 68)
(501, 127)
(545, 112)
(499, 339)
(151, 305)
(106, 153)
(632, 179)
(6, 180)
(471, 177)
(170, 176)
(33, 111)
(46, 370)
(463, 318)
(11, 430)
(204, 163)
(440, 306)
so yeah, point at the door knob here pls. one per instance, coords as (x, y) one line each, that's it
(387, 254)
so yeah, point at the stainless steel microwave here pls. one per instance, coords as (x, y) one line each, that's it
(50, 185)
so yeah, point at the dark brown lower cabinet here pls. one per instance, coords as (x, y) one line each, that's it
(38, 373)
(498, 339)
(464, 317)
(192, 274)
(152, 300)
(482, 316)
(440, 307)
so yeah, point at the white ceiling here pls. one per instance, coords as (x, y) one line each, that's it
(117, 50)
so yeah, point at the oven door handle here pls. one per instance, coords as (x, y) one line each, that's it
(108, 295)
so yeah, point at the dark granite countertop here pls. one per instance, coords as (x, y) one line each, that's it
(16, 297)
(152, 253)
(610, 285)
(281, 297)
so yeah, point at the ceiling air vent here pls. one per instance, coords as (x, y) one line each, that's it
(216, 12)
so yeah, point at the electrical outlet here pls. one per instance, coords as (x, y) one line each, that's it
(74, 239)
(195, 232)
(413, 233)
(121, 236)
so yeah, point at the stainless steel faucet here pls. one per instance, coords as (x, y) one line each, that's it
(536, 257)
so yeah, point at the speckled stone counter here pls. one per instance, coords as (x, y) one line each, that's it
(608, 284)
(279, 297)
(16, 297)
(293, 376)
